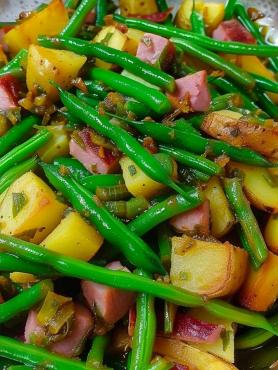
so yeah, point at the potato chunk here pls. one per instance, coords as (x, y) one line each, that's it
(260, 187)
(138, 183)
(29, 209)
(50, 21)
(226, 127)
(207, 268)
(138, 7)
(74, 237)
(61, 66)
(185, 354)
(260, 289)
(222, 219)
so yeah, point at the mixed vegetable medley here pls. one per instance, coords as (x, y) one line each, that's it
(138, 187)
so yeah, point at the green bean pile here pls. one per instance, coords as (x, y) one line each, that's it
(167, 146)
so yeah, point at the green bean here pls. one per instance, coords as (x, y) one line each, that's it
(136, 206)
(17, 134)
(141, 110)
(254, 30)
(197, 144)
(101, 11)
(110, 55)
(200, 175)
(204, 41)
(160, 364)
(11, 263)
(197, 21)
(266, 103)
(72, 267)
(246, 246)
(110, 193)
(36, 356)
(163, 211)
(87, 99)
(162, 6)
(229, 9)
(17, 171)
(265, 83)
(125, 142)
(25, 300)
(19, 367)
(154, 99)
(215, 61)
(95, 356)
(97, 89)
(78, 18)
(255, 337)
(92, 182)
(71, 4)
(25, 150)
(117, 208)
(145, 328)
(75, 168)
(14, 66)
(246, 219)
(112, 229)
(191, 160)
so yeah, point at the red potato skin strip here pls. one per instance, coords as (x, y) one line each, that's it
(156, 17)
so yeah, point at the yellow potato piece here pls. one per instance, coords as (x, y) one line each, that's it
(213, 14)
(222, 219)
(50, 21)
(61, 66)
(3, 57)
(207, 268)
(40, 214)
(57, 147)
(115, 40)
(185, 354)
(74, 237)
(143, 7)
(260, 186)
(133, 38)
(138, 183)
(260, 288)
(271, 232)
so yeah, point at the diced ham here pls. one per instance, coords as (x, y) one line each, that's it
(32, 326)
(109, 303)
(10, 89)
(71, 345)
(189, 329)
(196, 85)
(196, 219)
(155, 50)
(233, 30)
(95, 158)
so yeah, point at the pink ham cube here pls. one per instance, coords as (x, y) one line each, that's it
(233, 30)
(196, 219)
(110, 303)
(197, 87)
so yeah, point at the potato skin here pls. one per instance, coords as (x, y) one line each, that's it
(209, 269)
(222, 126)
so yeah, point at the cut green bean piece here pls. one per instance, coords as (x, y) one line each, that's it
(25, 300)
(145, 328)
(246, 219)
(14, 66)
(95, 356)
(93, 181)
(229, 9)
